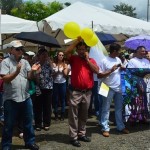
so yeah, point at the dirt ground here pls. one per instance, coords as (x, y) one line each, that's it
(57, 137)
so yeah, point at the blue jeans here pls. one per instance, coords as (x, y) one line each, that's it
(100, 107)
(59, 92)
(95, 98)
(118, 100)
(11, 111)
(1, 104)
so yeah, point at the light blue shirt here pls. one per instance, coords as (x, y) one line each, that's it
(18, 89)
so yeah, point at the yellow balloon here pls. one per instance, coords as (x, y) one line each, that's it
(86, 33)
(72, 30)
(93, 41)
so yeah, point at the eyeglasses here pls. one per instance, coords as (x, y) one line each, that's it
(19, 49)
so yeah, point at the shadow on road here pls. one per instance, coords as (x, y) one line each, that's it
(60, 138)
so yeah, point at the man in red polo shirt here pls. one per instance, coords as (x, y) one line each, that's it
(82, 68)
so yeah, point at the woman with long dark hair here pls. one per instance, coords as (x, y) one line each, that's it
(60, 70)
(45, 84)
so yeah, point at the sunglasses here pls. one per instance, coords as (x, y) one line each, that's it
(19, 49)
(61, 55)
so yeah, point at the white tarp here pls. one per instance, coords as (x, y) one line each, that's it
(103, 20)
(11, 24)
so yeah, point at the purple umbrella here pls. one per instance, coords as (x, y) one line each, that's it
(141, 40)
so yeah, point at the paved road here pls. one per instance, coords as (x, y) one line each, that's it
(57, 138)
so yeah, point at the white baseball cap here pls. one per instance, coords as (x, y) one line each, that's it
(30, 53)
(15, 43)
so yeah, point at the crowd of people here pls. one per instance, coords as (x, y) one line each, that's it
(33, 86)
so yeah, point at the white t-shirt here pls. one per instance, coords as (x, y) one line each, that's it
(138, 63)
(114, 79)
(125, 63)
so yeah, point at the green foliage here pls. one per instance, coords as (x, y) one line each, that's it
(36, 10)
(7, 5)
(125, 9)
(54, 7)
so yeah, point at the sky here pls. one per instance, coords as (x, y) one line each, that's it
(140, 5)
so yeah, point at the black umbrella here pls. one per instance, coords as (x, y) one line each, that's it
(38, 38)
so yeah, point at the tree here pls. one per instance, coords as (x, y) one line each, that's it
(55, 7)
(36, 11)
(125, 9)
(7, 5)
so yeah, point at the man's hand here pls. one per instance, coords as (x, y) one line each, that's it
(86, 55)
(122, 68)
(18, 68)
(9, 77)
(79, 39)
(114, 68)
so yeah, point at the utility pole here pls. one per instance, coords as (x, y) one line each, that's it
(148, 4)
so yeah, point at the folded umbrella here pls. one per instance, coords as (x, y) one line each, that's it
(38, 38)
(106, 38)
(141, 40)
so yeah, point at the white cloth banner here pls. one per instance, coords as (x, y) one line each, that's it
(98, 52)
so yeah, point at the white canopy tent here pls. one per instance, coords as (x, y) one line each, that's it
(11, 25)
(103, 20)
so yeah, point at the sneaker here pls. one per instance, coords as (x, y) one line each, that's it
(105, 133)
(46, 128)
(21, 135)
(38, 129)
(125, 131)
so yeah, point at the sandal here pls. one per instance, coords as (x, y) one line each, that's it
(46, 128)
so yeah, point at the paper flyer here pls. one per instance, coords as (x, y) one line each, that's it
(104, 89)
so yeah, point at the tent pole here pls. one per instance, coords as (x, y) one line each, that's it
(57, 33)
(148, 10)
